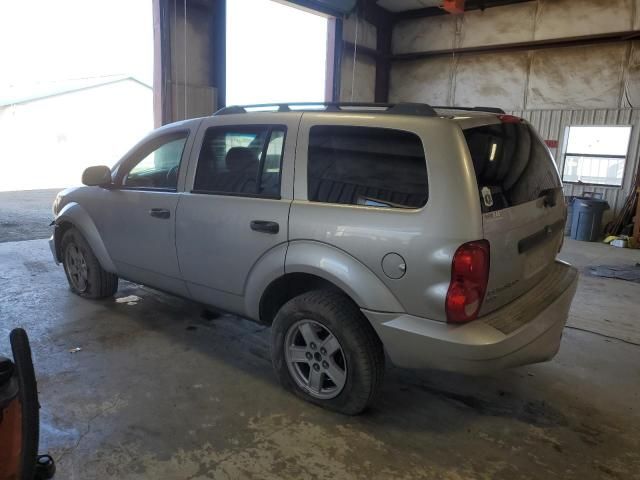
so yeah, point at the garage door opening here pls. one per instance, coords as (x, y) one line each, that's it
(74, 92)
(275, 53)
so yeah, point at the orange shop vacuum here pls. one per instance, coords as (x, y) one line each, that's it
(20, 416)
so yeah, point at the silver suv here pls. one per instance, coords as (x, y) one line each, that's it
(353, 230)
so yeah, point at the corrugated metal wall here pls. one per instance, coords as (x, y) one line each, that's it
(552, 125)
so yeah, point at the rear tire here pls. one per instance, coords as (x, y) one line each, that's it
(326, 352)
(85, 275)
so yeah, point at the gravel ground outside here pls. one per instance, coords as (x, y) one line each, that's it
(26, 215)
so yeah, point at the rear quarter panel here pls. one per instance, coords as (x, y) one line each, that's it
(426, 238)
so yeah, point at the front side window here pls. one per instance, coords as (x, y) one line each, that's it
(158, 168)
(242, 160)
(366, 166)
(596, 155)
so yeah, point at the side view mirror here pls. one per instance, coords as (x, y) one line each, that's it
(99, 176)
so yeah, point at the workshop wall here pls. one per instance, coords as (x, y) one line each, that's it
(597, 84)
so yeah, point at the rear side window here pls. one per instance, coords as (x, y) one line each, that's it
(511, 163)
(366, 166)
(241, 160)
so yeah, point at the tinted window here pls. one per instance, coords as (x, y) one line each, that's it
(366, 166)
(158, 169)
(241, 160)
(511, 163)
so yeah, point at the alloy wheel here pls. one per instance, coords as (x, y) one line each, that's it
(315, 359)
(76, 267)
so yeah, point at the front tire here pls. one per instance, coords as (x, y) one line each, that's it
(85, 275)
(326, 352)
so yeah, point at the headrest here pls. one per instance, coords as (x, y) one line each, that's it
(240, 159)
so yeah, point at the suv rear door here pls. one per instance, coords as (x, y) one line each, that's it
(523, 210)
(235, 207)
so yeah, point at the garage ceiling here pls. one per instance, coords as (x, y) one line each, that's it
(402, 5)
(396, 9)
(330, 7)
(426, 8)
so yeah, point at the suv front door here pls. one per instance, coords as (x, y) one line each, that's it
(137, 216)
(235, 207)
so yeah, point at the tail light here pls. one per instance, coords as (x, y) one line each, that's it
(469, 277)
(509, 119)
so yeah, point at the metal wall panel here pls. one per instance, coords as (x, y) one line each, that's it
(363, 78)
(552, 125)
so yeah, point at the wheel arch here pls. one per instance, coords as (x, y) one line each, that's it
(74, 216)
(286, 287)
(313, 265)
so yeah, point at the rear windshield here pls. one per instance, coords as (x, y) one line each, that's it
(512, 165)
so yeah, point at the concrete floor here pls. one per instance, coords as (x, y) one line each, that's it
(158, 391)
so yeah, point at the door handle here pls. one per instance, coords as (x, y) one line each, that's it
(265, 226)
(549, 197)
(160, 213)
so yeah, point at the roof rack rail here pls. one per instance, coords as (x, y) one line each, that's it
(475, 109)
(419, 109)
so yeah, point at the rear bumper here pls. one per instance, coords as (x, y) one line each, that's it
(528, 330)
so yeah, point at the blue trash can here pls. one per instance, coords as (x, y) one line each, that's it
(586, 218)
(568, 200)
